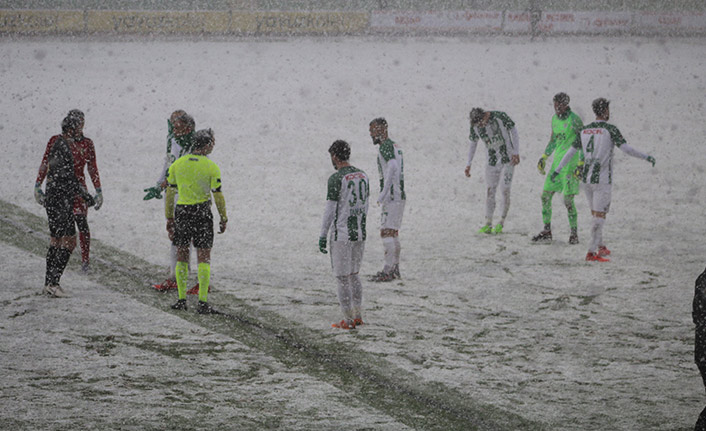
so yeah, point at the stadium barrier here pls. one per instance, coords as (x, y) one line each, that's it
(45, 22)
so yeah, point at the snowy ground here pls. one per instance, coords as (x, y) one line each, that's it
(531, 330)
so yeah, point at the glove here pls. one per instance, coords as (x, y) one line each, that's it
(98, 198)
(651, 160)
(39, 194)
(542, 164)
(554, 175)
(87, 198)
(322, 245)
(153, 192)
(578, 172)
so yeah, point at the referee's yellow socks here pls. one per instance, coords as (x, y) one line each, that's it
(204, 280)
(182, 276)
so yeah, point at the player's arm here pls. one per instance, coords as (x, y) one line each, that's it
(42, 174)
(329, 214)
(472, 150)
(221, 206)
(565, 161)
(392, 175)
(92, 166)
(514, 147)
(619, 141)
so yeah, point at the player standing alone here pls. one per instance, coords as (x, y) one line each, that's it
(598, 140)
(345, 216)
(392, 198)
(62, 189)
(195, 178)
(500, 136)
(566, 126)
(84, 155)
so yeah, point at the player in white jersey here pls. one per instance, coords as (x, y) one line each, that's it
(180, 140)
(392, 198)
(598, 140)
(345, 218)
(499, 134)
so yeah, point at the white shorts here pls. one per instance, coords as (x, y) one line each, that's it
(494, 174)
(598, 196)
(346, 257)
(391, 216)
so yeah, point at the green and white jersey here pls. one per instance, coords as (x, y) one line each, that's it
(500, 138)
(347, 205)
(565, 131)
(177, 146)
(598, 140)
(391, 170)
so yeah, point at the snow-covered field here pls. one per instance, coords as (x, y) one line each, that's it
(532, 330)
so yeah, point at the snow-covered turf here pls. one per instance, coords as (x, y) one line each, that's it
(530, 329)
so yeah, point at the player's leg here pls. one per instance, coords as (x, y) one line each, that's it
(203, 242)
(394, 222)
(183, 235)
(84, 233)
(492, 179)
(505, 188)
(597, 221)
(573, 218)
(63, 233)
(546, 234)
(356, 286)
(342, 265)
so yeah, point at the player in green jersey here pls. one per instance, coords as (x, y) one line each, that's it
(196, 178)
(345, 217)
(566, 126)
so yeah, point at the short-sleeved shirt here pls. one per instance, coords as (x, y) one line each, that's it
(598, 140)
(349, 187)
(195, 176)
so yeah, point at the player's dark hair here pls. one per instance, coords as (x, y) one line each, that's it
(380, 121)
(476, 116)
(341, 150)
(188, 120)
(69, 123)
(562, 98)
(600, 106)
(76, 113)
(202, 138)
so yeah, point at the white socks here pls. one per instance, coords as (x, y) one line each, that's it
(350, 296)
(596, 234)
(388, 244)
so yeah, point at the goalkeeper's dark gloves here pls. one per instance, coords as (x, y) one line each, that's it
(578, 172)
(153, 192)
(542, 164)
(651, 160)
(39, 195)
(322, 245)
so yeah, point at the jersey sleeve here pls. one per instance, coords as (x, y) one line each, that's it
(91, 164)
(334, 188)
(616, 136)
(215, 178)
(44, 165)
(507, 121)
(171, 175)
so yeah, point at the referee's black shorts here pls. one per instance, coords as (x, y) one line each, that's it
(194, 223)
(59, 206)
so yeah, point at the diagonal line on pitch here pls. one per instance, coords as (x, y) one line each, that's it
(399, 393)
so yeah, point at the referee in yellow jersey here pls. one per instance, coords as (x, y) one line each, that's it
(195, 178)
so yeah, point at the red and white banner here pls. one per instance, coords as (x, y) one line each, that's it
(671, 22)
(549, 22)
(443, 21)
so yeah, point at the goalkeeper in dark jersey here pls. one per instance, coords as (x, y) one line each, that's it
(61, 190)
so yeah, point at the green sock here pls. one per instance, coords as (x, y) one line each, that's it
(547, 207)
(204, 280)
(182, 276)
(573, 215)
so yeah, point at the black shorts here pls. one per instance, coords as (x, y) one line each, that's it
(194, 223)
(60, 212)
